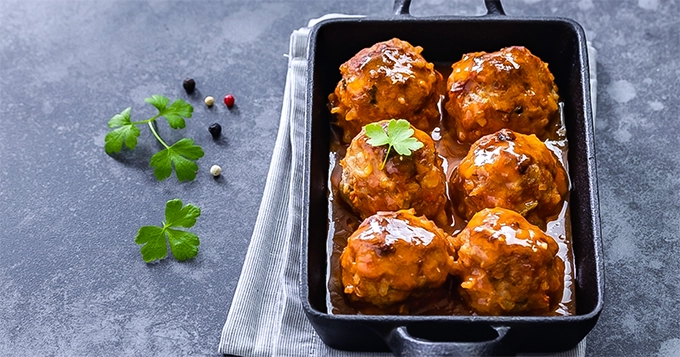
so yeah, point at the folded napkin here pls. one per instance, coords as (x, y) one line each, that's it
(266, 316)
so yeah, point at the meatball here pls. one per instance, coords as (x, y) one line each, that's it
(415, 181)
(510, 88)
(388, 80)
(394, 254)
(507, 265)
(513, 171)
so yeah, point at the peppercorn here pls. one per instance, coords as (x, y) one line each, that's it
(209, 101)
(189, 85)
(229, 100)
(215, 130)
(215, 170)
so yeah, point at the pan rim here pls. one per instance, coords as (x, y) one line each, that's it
(592, 177)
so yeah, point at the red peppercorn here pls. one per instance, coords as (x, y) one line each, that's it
(229, 100)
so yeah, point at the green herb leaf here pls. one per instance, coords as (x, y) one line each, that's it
(376, 134)
(175, 113)
(125, 133)
(181, 216)
(158, 101)
(399, 135)
(183, 244)
(407, 145)
(399, 130)
(153, 240)
(182, 155)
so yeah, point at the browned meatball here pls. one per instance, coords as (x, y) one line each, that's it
(510, 170)
(415, 181)
(510, 88)
(507, 265)
(389, 80)
(394, 254)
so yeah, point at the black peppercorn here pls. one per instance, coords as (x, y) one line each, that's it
(215, 130)
(189, 85)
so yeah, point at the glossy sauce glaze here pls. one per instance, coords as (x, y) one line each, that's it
(446, 300)
(394, 255)
(375, 85)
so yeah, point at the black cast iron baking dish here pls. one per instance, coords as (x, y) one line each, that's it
(558, 41)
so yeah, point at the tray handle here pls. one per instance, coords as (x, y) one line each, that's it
(403, 344)
(402, 7)
(493, 7)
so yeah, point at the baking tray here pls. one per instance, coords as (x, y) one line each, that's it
(558, 41)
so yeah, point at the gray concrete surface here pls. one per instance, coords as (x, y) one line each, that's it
(72, 282)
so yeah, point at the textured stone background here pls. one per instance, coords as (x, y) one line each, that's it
(72, 282)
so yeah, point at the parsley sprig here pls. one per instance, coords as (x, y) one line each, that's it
(399, 136)
(183, 244)
(181, 154)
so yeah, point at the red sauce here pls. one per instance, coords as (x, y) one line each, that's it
(342, 222)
